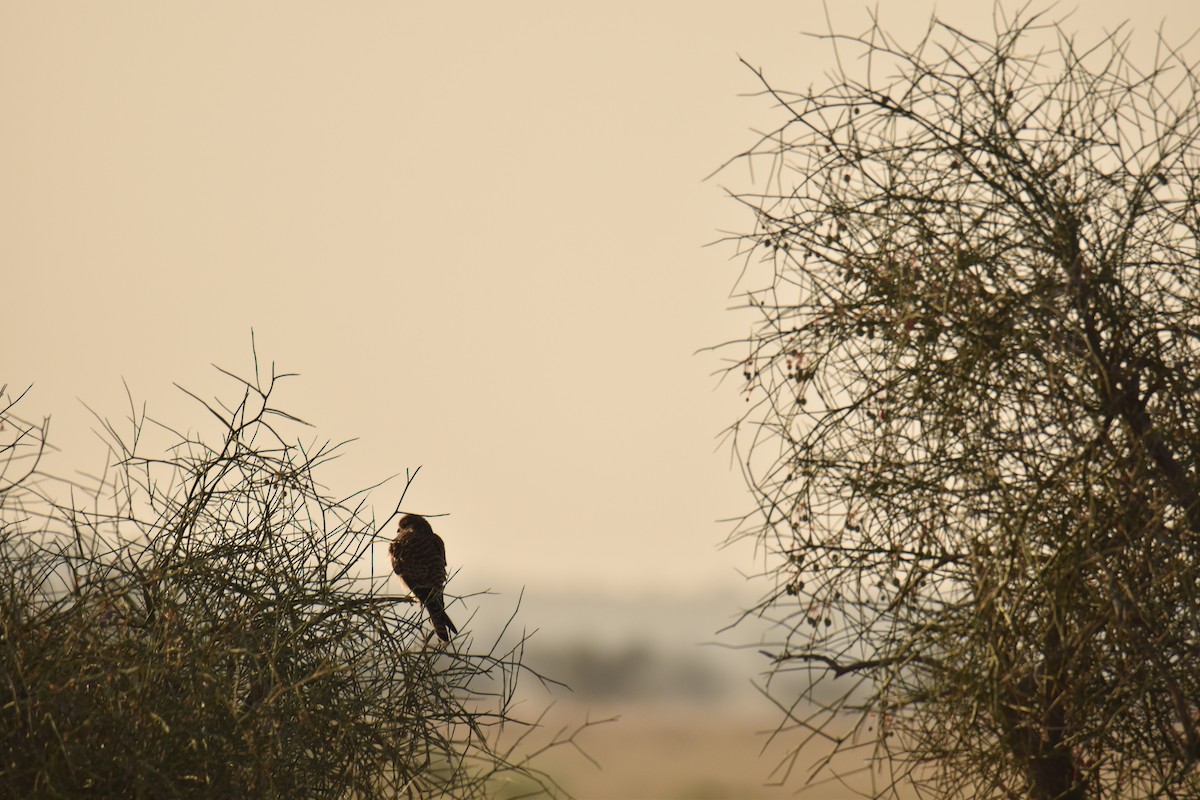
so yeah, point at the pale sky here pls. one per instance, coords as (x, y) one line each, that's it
(476, 230)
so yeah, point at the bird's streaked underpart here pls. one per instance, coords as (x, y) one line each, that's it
(419, 558)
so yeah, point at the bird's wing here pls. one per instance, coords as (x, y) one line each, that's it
(441, 551)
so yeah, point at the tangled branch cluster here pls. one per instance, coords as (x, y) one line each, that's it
(200, 627)
(974, 420)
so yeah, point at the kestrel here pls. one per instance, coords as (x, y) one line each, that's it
(419, 558)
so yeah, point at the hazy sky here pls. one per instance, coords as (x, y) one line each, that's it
(476, 229)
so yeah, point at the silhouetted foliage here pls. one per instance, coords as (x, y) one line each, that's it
(973, 429)
(199, 623)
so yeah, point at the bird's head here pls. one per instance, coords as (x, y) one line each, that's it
(413, 522)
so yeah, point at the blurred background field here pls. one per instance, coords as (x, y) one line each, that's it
(686, 719)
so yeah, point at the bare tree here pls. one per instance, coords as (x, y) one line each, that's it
(199, 623)
(973, 420)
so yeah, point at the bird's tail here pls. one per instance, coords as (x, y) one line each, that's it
(436, 606)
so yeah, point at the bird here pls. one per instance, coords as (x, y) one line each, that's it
(419, 558)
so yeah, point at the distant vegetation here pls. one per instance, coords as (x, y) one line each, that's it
(973, 412)
(194, 624)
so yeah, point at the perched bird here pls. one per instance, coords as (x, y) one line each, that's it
(419, 558)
